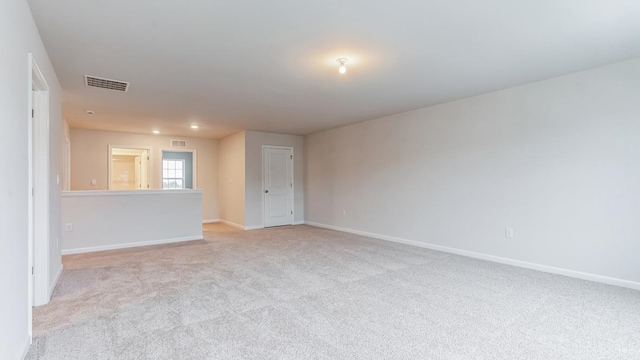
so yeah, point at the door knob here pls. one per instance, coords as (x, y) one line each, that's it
(266, 191)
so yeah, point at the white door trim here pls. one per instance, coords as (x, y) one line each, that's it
(38, 188)
(30, 200)
(66, 164)
(194, 164)
(292, 201)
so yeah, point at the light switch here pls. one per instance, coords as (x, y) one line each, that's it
(508, 232)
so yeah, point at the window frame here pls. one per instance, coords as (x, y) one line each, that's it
(181, 179)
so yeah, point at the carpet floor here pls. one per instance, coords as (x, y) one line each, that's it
(301, 292)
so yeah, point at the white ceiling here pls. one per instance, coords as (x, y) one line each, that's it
(270, 65)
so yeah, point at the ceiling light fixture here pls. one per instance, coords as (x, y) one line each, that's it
(194, 126)
(91, 112)
(343, 67)
(156, 132)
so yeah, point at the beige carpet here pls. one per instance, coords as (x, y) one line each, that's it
(306, 293)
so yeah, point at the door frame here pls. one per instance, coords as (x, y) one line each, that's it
(66, 164)
(38, 189)
(194, 165)
(293, 184)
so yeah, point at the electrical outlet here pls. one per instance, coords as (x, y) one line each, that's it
(508, 232)
(93, 182)
(344, 212)
(69, 227)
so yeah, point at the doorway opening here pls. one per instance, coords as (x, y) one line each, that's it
(129, 168)
(277, 179)
(178, 169)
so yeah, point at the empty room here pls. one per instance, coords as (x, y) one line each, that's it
(320, 180)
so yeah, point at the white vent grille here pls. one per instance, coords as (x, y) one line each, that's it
(178, 143)
(103, 83)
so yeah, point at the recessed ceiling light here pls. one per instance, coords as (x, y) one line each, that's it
(91, 112)
(194, 126)
(343, 65)
(156, 132)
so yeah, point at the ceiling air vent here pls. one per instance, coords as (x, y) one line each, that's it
(103, 83)
(178, 143)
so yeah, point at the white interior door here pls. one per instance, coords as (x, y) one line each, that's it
(277, 173)
(39, 215)
(32, 180)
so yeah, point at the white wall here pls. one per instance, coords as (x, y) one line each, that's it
(232, 179)
(253, 195)
(90, 157)
(104, 220)
(19, 36)
(558, 160)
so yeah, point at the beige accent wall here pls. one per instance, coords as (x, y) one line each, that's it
(232, 178)
(558, 161)
(254, 188)
(90, 156)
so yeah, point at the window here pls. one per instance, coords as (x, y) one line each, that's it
(173, 174)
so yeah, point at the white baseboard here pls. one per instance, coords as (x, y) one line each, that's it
(545, 268)
(241, 227)
(24, 349)
(251, 227)
(130, 245)
(232, 224)
(55, 281)
(210, 221)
